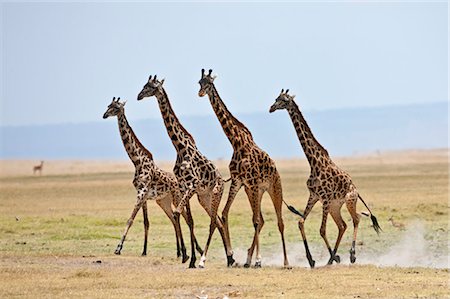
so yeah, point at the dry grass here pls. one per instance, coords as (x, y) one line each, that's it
(56, 227)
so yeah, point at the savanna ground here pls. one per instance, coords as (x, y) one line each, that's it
(58, 233)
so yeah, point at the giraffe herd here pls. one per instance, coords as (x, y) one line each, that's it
(250, 167)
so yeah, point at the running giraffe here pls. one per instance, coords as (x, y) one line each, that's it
(195, 173)
(327, 183)
(250, 167)
(150, 181)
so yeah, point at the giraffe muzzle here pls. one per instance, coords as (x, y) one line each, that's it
(201, 93)
(272, 109)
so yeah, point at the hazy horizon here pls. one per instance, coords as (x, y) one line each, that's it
(343, 132)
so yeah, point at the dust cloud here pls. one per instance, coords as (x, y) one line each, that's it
(414, 247)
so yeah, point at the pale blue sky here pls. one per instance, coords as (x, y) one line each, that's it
(64, 62)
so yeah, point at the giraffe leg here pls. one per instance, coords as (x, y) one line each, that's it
(187, 215)
(323, 229)
(234, 188)
(211, 204)
(142, 193)
(301, 225)
(276, 194)
(258, 255)
(351, 207)
(335, 212)
(184, 202)
(205, 202)
(254, 196)
(166, 205)
(146, 226)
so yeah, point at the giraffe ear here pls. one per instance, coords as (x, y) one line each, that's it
(213, 77)
(162, 81)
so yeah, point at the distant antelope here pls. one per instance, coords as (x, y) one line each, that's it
(398, 225)
(38, 168)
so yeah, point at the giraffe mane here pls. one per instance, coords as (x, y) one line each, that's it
(321, 148)
(176, 118)
(234, 119)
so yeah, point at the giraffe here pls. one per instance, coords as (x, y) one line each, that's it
(150, 182)
(195, 173)
(38, 168)
(250, 167)
(327, 183)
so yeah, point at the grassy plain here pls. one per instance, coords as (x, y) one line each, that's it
(58, 233)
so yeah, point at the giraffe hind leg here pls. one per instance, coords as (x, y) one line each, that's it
(276, 194)
(351, 207)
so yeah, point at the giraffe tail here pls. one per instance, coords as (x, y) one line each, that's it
(375, 224)
(293, 210)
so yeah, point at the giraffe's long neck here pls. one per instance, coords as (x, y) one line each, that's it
(236, 132)
(178, 134)
(314, 151)
(133, 146)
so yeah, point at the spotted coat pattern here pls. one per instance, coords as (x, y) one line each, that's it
(195, 173)
(250, 167)
(327, 183)
(150, 181)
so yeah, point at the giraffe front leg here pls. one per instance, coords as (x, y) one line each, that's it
(166, 205)
(234, 188)
(140, 201)
(254, 196)
(146, 227)
(323, 231)
(301, 225)
(179, 209)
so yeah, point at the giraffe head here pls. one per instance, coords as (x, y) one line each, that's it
(115, 108)
(153, 87)
(284, 101)
(206, 83)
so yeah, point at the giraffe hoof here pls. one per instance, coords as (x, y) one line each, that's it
(144, 254)
(352, 256)
(246, 265)
(230, 261)
(185, 259)
(337, 258)
(118, 249)
(312, 263)
(258, 264)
